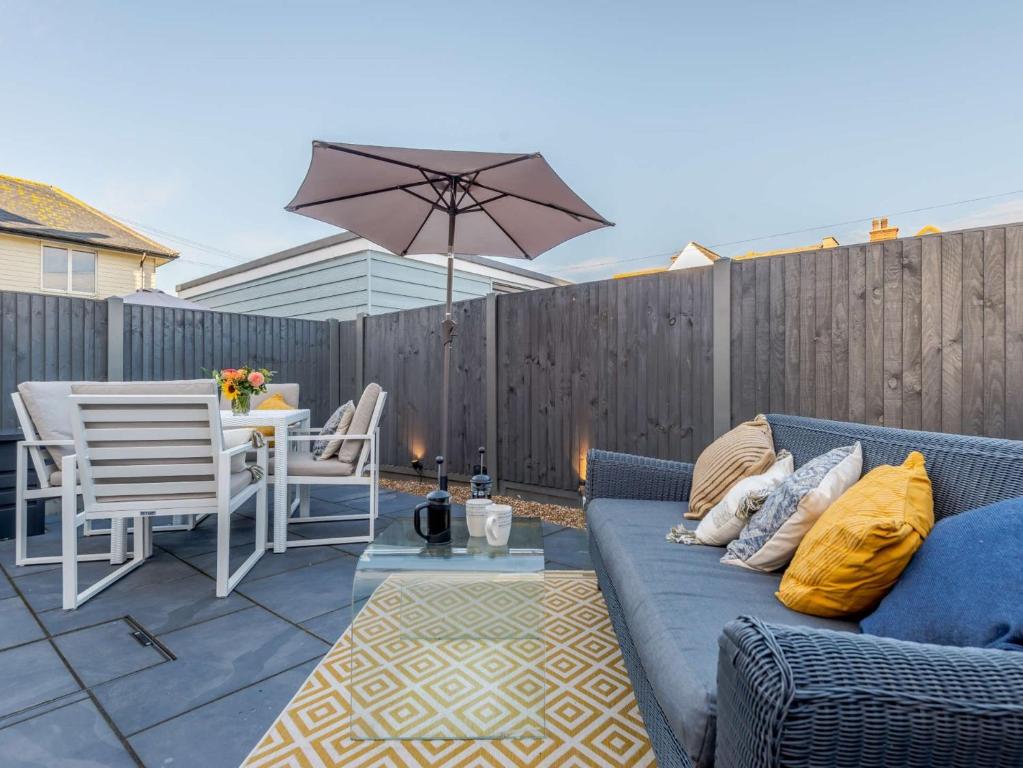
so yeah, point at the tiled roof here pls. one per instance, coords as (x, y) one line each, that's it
(39, 210)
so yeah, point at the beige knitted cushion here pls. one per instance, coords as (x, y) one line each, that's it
(349, 452)
(344, 422)
(746, 450)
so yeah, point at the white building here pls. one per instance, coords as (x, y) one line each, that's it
(343, 275)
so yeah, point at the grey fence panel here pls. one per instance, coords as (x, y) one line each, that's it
(348, 364)
(404, 354)
(170, 343)
(620, 365)
(47, 338)
(921, 332)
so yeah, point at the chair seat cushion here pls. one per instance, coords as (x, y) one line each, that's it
(304, 464)
(676, 600)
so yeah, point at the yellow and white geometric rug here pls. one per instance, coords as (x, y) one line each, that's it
(589, 716)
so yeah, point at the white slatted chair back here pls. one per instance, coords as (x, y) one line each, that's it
(374, 423)
(157, 453)
(40, 459)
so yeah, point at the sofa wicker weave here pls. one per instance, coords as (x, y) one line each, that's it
(725, 675)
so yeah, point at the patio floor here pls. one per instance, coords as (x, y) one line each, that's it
(79, 687)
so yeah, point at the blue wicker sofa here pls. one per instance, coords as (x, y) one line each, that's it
(725, 675)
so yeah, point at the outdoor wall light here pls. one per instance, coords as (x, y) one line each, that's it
(417, 465)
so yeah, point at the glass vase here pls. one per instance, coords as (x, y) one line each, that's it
(240, 404)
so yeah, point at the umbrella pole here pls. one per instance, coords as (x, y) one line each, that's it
(448, 330)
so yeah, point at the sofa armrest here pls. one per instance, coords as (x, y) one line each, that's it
(797, 696)
(622, 476)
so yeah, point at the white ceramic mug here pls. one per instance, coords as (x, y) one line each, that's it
(476, 516)
(499, 523)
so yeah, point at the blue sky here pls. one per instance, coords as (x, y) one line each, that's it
(714, 122)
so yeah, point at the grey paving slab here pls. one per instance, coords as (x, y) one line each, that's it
(549, 528)
(32, 674)
(17, 625)
(270, 564)
(220, 734)
(74, 735)
(214, 658)
(330, 626)
(106, 651)
(307, 592)
(48, 544)
(203, 538)
(332, 529)
(568, 548)
(6, 588)
(43, 590)
(158, 608)
(341, 492)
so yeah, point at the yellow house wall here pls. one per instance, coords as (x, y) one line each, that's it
(117, 273)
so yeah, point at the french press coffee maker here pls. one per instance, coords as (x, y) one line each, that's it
(438, 514)
(480, 484)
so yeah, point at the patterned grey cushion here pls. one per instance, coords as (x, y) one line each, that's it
(328, 429)
(792, 508)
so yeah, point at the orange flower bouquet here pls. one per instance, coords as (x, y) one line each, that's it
(238, 385)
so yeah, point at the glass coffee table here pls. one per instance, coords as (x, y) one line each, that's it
(447, 640)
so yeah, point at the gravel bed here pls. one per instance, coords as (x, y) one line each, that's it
(571, 517)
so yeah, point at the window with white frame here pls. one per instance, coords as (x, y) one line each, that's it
(69, 270)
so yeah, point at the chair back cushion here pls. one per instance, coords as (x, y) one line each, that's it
(856, 552)
(965, 472)
(350, 449)
(963, 587)
(745, 450)
(50, 410)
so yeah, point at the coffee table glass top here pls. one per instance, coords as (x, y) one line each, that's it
(447, 640)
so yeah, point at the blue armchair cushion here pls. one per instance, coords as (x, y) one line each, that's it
(964, 586)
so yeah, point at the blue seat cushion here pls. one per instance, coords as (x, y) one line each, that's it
(964, 586)
(676, 599)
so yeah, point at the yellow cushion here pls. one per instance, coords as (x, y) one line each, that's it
(275, 402)
(858, 548)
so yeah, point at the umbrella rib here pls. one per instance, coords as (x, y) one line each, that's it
(428, 214)
(342, 198)
(599, 219)
(421, 168)
(498, 225)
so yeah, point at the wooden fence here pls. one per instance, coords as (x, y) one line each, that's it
(923, 332)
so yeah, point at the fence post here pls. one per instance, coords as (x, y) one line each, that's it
(490, 323)
(334, 363)
(722, 324)
(115, 338)
(360, 352)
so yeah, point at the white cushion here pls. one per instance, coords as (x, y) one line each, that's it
(770, 539)
(728, 517)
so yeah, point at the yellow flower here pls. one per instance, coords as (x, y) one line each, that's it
(229, 389)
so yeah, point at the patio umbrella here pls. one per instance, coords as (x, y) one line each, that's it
(421, 201)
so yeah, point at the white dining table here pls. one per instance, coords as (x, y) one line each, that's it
(281, 421)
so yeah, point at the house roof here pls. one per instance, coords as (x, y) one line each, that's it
(347, 237)
(39, 210)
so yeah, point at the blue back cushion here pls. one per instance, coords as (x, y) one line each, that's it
(964, 586)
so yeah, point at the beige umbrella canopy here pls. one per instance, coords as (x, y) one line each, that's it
(416, 201)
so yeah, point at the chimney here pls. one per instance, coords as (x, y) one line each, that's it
(881, 231)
